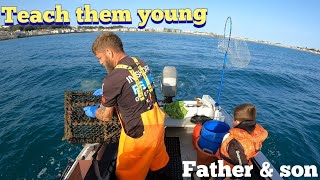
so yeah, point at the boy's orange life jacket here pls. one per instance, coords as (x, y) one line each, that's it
(251, 143)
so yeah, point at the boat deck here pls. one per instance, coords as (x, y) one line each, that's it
(188, 153)
(179, 147)
(178, 141)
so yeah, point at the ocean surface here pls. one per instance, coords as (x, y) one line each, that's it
(284, 84)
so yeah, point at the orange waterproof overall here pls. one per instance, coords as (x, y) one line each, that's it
(137, 155)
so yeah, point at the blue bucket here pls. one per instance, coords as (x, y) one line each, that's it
(211, 136)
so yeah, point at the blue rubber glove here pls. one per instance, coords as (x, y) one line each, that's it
(91, 111)
(98, 92)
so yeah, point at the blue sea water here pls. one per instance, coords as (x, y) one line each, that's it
(283, 83)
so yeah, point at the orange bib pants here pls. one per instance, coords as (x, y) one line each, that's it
(137, 156)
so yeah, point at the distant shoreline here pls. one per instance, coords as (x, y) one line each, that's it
(313, 51)
(28, 36)
(25, 35)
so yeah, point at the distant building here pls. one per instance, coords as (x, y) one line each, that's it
(124, 29)
(133, 29)
(3, 27)
(148, 29)
(187, 32)
(159, 29)
(141, 30)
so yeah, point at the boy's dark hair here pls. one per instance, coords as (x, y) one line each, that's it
(244, 112)
(107, 40)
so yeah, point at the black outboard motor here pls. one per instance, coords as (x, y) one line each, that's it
(169, 83)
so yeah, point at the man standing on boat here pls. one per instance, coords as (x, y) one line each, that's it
(128, 90)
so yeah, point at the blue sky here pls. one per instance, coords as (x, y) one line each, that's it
(292, 22)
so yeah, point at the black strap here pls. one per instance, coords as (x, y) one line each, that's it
(226, 158)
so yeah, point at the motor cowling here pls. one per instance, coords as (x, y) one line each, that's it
(169, 83)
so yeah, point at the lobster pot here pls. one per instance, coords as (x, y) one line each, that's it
(211, 136)
(81, 129)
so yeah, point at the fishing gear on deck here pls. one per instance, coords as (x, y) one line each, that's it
(81, 129)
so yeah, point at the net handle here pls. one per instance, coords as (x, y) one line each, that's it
(225, 58)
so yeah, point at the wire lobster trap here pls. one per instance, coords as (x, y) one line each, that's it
(81, 129)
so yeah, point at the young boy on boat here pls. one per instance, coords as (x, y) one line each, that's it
(244, 140)
(242, 143)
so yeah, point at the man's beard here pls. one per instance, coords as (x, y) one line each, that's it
(109, 69)
(109, 66)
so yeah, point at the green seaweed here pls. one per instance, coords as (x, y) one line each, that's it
(176, 109)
